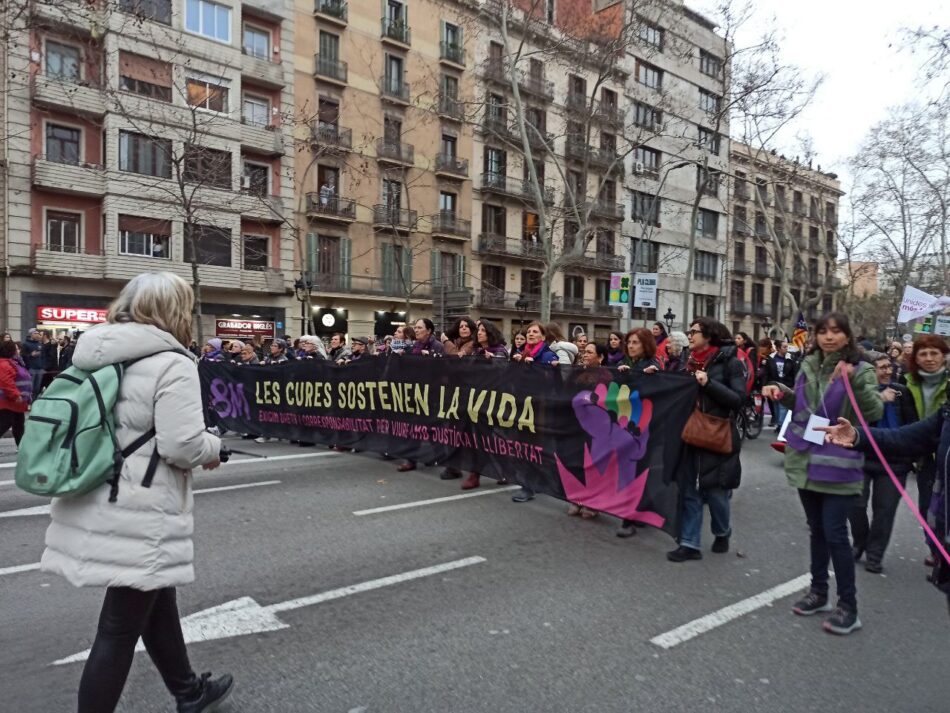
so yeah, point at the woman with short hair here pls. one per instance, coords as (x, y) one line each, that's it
(140, 546)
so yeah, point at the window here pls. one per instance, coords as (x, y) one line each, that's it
(550, 11)
(494, 219)
(255, 110)
(646, 256)
(574, 287)
(604, 242)
(493, 277)
(830, 212)
(758, 295)
(651, 35)
(208, 19)
(62, 61)
(762, 186)
(143, 154)
(530, 223)
(392, 194)
(62, 231)
(709, 102)
(62, 144)
(707, 181)
(709, 64)
(205, 95)
(646, 208)
(145, 76)
(531, 282)
(495, 161)
(447, 202)
(144, 237)
(737, 293)
(210, 167)
(329, 49)
(708, 140)
(208, 245)
(452, 35)
(393, 77)
(449, 146)
(158, 10)
(256, 42)
(706, 266)
(705, 306)
(602, 291)
(646, 160)
(256, 252)
(707, 223)
(647, 117)
(649, 76)
(256, 179)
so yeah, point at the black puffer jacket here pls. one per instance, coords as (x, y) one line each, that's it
(722, 396)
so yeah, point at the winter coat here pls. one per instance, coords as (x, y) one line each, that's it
(789, 371)
(566, 352)
(914, 384)
(431, 345)
(676, 364)
(906, 413)
(9, 393)
(340, 353)
(33, 362)
(270, 359)
(498, 351)
(143, 540)
(637, 367)
(66, 356)
(456, 347)
(544, 356)
(51, 356)
(722, 396)
(816, 369)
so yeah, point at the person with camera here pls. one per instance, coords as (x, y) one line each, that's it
(140, 546)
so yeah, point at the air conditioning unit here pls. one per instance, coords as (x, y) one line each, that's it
(638, 167)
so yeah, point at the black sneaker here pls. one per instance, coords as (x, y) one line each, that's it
(626, 530)
(720, 545)
(811, 603)
(522, 496)
(450, 474)
(843, 621)
(874, 567)
(681, 554)
(211, 694)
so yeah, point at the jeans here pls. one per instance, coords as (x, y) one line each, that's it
(14, 420)
(827, 517)
(885, 498)
(37, 376)
(780, 413)
(128, 614)
(926, 476)
(691, 522)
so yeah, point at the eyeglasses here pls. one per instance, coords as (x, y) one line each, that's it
(694, 331)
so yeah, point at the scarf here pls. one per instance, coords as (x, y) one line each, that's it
(699, 359)
(889, 419)
(930, 387)
(529, 351)
(614, 357)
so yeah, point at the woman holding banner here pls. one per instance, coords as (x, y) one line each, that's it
(425, 344)
(829, 479)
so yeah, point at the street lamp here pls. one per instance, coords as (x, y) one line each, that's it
(521, 304)
(303, 288)
(669, 318)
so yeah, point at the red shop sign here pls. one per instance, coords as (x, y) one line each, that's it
(243, 328)
(76, 315)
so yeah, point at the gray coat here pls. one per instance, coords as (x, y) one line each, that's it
(144, 539)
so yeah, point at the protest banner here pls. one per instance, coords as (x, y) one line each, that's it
(596, 437)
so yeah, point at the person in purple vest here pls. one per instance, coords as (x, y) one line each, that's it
(829, 478)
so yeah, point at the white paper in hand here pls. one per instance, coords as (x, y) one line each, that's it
(813, 436)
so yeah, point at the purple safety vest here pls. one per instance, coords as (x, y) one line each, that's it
(827, 463)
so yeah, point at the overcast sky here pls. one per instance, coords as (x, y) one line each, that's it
(857, 46)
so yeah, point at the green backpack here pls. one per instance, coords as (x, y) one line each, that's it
(69, 445)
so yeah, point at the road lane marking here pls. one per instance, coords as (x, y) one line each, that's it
(684, 633)
(235, 461)
(7, 482)
(20, 568)
(244, 616)
(434, 501)
(44, 509)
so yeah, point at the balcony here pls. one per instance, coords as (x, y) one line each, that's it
(331, 136)
(742, 193)
(495, 69)
(761, 310)
(330, 69)
(537, 85)
(452, 53)
(451, 166)
(450, 108)
(82, 97)
(334, 11)
(67, 263)
(447, 223)
(601, 261)
(496, 299)
(741, 227)
(606, 209)
(798, 208)
(761, 269)
(501, 184)
(262, 138)
(741, 267)
(497, 126)
(269, 279)
(815, 280)
(394, 91)
(262, 70)
(814, 245)
(336, 283)
(81, 179)
(396, 31)
(610, 114)
(387, 216)
(335, 208)
(538, 138)
(494, 244)
(395, 152)
(741, 307)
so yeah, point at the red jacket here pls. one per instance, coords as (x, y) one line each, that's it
(8, 390)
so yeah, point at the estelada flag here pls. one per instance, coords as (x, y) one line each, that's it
(800, 335)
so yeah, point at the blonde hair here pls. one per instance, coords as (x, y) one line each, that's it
(161, 299)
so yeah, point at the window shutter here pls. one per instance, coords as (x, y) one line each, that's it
(460, 267)
(345, 266)
(435, 267)
(407, 268)
(443, 35)
(388, 263)
(312, 252)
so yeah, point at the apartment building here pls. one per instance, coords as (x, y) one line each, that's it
(784, 226)
(148, 135)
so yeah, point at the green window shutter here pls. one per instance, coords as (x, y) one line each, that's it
(442, 26)
(311, 257)
(389, 276)
(407, 267)
(460, 265)
(435, 262)
(346, 268)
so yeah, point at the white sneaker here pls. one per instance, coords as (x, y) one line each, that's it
(262, 439)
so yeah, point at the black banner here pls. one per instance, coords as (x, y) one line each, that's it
(596, 437)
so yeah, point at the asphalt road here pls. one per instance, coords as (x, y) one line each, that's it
(558, 617)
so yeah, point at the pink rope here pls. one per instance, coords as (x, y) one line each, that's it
(897, 483)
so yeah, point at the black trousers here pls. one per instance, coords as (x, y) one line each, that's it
(873, 536)
(14, 420)
(128, 614)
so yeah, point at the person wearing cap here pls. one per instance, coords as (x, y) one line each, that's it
(278, 353)
(358, 350)
(234, 351)
(311, 347)
(212, 350)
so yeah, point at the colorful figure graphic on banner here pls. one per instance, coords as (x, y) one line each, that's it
(800, 335)
(618, 423)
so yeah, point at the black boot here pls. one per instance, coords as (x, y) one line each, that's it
(210, 694)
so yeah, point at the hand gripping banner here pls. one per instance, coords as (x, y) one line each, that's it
(596, 437)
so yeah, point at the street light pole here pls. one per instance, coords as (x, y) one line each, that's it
(303, 288)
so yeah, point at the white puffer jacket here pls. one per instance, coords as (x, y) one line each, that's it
(144, 539)
(566, 352)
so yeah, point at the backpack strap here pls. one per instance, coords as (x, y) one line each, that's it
(153, 462)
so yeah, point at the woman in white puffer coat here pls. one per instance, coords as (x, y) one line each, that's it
(140, 547)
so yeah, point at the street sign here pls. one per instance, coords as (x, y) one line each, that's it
(619, 289)
(646, 288)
